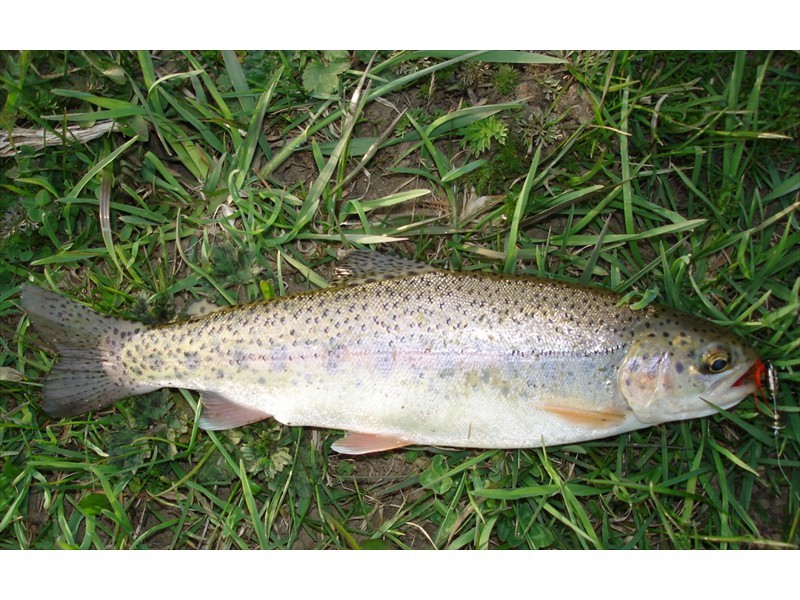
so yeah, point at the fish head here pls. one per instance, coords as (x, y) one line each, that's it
(679, 367)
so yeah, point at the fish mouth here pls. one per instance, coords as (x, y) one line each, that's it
(732, 388)
(755, 373)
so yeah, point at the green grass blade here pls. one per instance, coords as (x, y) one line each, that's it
(102, 164)
(519, 210)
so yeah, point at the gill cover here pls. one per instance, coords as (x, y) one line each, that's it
(641, 377)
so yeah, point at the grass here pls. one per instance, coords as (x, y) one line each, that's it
(669, 177)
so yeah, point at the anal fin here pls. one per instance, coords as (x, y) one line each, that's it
(220, 412)
(364, 443)
(587, 418)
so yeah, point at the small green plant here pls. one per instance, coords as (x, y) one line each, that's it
(539, 128)
(507, 164)
(474, 74)
(411, 66)
(260, 66)
(260, 452)
(321, 76)
(234, 265)
(478, 136)
(506, 79)
(551, 86)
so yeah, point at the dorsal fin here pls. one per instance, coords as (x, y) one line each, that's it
(368, 266)
(202, 307)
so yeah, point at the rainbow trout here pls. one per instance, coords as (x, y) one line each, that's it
(398, 353)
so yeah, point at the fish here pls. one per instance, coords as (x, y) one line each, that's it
(398, 353)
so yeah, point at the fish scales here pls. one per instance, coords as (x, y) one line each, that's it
(434, 357)
(418, 343)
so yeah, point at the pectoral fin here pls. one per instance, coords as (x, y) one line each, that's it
(364, 443)
(587, 418)
(220, 412)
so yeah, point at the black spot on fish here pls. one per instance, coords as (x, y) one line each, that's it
(679, 367)
(191, 361)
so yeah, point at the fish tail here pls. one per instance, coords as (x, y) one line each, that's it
(88, 375)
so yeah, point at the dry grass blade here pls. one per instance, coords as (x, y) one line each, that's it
(37, 139)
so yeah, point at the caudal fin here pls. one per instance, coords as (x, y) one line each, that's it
(80, 381)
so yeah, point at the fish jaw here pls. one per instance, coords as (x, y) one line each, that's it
(723, 394)
(732, 389)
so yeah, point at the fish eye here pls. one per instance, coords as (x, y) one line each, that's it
(715, 361)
